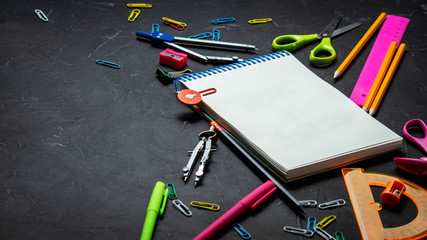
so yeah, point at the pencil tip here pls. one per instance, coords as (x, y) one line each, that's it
(337, 74)
(365, 109)
(372, 112)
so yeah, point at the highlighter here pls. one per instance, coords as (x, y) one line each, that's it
(155, 208)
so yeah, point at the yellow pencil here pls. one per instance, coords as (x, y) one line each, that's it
(380, 75)
(387, 79)
(360, 45)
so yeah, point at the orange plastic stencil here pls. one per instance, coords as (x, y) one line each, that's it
(358, 185)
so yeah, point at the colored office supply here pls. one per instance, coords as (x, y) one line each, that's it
(133, 15)
(412, 165)
(204, 205)
(204, 147)
(191, 97)
(241, 231)
(380, 76)
(386, 81)
(308, 203)
(181, 207)
(339, 235)
(360, 45)
(299, 231)
(216, 35)
(392, 29)
(155, 27)
(332, 204)
(261, 20)
(311, 223)
(171, 191)
(41, 15)
(293, 42)
(392, 193)
(167, 77)
(107, 63)
(251, 201)
(289, 199)
(326, 221)
(156, 207)
(259, 101)
(202, 35)
(172, 42)
(223, 20)
(174, 23)
(325, 235)
(139, 5)
(173, 59)
(358, 185)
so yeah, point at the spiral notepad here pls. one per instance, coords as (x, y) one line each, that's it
(293, 122)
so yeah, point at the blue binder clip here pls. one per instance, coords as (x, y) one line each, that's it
(223, 20)
(241, 231)
(107, 63)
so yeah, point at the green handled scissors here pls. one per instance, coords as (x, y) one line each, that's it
(293, 42)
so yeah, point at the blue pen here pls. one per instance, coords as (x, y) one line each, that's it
(155, 208)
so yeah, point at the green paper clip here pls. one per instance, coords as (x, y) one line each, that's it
(171, 193)
(339, 236)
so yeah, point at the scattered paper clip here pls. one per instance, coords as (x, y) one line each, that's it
(299, 231)
(326, 221)
(171, 191)
(201, 35)
(133, 15)
(308, 203)
(339, 236)
(155, 27)
(261, 20)
(223, 20)
(311, 223)
(107, 63)
(216, 35)
(325, 235)
(209, 206)
(175, 24)
(182, 208)
(139, 5)
(41, 15)
(331, 204)
(241, 231)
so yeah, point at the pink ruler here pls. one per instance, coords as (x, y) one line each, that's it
(392, 30)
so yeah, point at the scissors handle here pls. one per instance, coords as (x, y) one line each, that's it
(420, 142)
(292, 42)
(325, 47)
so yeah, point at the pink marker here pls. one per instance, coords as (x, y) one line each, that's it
(251, 201)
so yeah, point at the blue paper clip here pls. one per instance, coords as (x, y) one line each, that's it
(155, 28)
(311, 223)
(202, 35)
(223, 20)
(108, 64)
(216, 35)
(241, 231)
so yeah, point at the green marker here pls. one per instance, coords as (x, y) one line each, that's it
(155, 208)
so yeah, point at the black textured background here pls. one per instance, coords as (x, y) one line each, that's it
(82, 145)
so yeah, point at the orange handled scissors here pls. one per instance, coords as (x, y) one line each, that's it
(293, 42)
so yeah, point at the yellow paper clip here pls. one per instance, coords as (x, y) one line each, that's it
(165, 19)
(209, 206)
(261, 20)
(326, 221)
(139, 5)
(133, 15)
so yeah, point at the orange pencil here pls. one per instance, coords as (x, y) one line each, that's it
(387, 79)
(360, 45)
(377, 83)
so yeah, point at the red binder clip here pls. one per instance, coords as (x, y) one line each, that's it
(191, 97)
(174, 59)
(393, 191)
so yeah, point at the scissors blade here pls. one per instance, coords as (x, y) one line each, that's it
(345, 29)
(327, 32)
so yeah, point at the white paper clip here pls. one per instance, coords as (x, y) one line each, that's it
(308, 203)
(325, 235)
(182, 208)
(299, 231)
(331, 204)
(41, 15)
